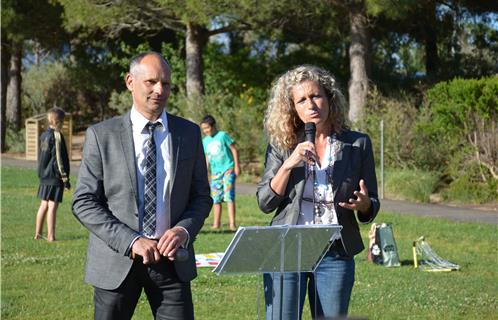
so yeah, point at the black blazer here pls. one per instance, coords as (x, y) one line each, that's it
(48, 171)
(353, 161)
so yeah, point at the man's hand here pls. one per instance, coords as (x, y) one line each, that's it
(171, 241)
(147, 249)
(362, 203)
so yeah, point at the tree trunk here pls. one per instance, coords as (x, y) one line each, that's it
(5, 53)
(14, 86)
(430, 41)
(358, 63)
(195, 41)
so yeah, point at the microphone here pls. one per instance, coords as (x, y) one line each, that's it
(181, 254)
(310, 131)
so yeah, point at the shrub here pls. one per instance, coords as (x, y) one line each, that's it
(399, 116)
(458, 129)
(15, 140)
(454, 136)
(46, 86)
(468, 189)
(121, 102)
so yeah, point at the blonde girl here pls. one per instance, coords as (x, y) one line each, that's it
(53, 172)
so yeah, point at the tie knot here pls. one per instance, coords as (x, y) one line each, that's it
(151, 126)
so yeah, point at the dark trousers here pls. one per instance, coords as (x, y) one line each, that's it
(168, 297)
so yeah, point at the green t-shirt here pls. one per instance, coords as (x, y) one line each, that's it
(217, 149)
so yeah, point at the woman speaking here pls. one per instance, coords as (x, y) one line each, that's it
(322, 175)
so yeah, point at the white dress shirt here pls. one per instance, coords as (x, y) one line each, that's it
(163, 165)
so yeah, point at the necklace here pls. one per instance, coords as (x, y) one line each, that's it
(323, 202)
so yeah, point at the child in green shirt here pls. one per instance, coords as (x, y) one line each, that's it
(222, 158)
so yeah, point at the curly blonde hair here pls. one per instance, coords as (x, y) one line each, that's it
(281, 120)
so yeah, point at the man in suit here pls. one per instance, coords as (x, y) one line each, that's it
(143, 193)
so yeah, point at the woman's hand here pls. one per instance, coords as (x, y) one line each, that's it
(362, 203)
(304, 151)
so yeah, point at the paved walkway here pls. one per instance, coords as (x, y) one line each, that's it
(461, 213)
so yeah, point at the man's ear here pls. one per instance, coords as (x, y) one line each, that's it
(129, 81)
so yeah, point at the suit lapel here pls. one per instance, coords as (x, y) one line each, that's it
(174, 141)
(126, 136)
(341, 162)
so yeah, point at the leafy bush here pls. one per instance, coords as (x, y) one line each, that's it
(46, 86)
(15, 140)
(454, 136)
(458, 129)
(121, 102)
(399, 116)
(469, 189)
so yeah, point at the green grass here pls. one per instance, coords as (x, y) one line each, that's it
(409, 184)
(43, 280)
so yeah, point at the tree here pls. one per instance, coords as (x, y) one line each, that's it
(193, 19)
(358, 60)
(301, 25)
(23, 20)
(195, 40)
(5, 58)
(453, 38)
(14, 85)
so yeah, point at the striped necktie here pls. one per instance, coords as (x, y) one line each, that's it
(149, 221)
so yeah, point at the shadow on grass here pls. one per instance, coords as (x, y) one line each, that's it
(403, 263)
(406, 263)
(220, 231)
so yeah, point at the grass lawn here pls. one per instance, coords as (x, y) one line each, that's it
(41, 280)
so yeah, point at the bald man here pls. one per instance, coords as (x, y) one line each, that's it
(143, 194)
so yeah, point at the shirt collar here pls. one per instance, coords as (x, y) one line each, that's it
(139, 122)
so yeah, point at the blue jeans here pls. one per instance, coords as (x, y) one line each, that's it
(329, 289)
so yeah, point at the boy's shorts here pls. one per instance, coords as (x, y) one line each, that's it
(223, 186)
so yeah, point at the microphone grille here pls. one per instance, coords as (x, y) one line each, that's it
(309, 126)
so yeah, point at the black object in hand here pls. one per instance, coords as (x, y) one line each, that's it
(310, 131)
(67, 185)
(181, 254)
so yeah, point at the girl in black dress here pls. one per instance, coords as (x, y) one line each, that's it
(53, 171)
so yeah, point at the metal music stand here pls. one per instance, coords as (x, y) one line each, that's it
(296, 248)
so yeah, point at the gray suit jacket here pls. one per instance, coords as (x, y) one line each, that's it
(106, 196)
(353, 161)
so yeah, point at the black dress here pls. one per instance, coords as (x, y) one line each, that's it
(51, 185)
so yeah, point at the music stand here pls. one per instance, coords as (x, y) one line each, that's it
(296, 248)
